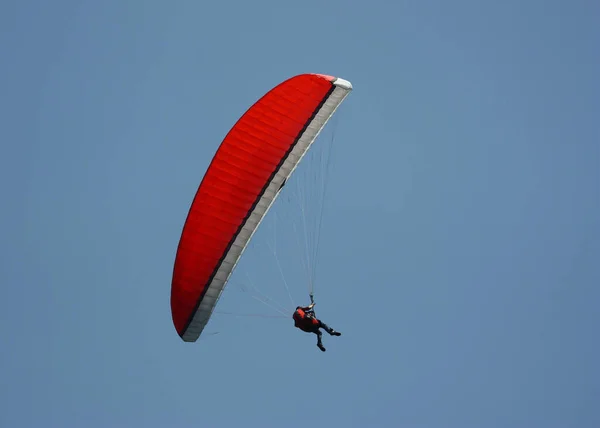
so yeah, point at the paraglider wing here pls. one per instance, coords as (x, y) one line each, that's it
(243, 180)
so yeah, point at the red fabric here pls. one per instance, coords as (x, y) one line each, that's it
(241, 168)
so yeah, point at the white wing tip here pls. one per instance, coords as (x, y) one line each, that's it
(343, 83)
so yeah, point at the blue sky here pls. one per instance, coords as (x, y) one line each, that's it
(460, 240)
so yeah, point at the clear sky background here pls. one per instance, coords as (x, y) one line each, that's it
(460, 253)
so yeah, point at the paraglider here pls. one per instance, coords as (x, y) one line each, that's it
(243, 180)
(306, 320)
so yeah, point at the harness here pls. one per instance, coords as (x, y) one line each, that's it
(306, 320)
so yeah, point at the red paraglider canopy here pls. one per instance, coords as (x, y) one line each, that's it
(244, 178)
